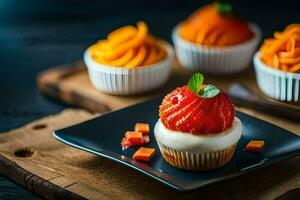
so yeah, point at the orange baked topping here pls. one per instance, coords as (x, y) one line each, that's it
(128, 47)
(209, 27)
(283, 51)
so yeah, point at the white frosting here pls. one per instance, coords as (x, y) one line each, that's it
(198, 143)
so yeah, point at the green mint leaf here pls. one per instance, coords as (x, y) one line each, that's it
(209, 91)
(224, 7)
(196, 82)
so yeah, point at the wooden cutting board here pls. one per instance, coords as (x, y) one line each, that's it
(70, 84)
(31, 157)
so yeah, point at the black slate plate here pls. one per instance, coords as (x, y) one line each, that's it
(102, 136)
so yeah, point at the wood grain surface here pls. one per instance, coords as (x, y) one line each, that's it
(31, 157)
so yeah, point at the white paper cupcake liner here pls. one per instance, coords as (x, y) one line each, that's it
(197, 161)
(215, 60)
(124, 81)
(280, 85)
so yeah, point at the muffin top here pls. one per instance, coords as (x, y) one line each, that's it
(215, 25)
(128, 47)
(282, 52)
(197, 109)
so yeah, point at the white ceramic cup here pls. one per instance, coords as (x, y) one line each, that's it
(124, 81)
(215, 60)
(280, 85)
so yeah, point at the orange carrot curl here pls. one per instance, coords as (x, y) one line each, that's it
(283, 51)
(210, 28)
(128, 47)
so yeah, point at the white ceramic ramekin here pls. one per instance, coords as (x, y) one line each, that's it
(124, 81)
(280, 85)
(215, 60)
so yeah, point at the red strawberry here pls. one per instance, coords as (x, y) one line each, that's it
(185, 111)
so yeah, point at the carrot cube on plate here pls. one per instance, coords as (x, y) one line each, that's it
(143, 154)
(255, 146)
(134, 138)
(142, 127)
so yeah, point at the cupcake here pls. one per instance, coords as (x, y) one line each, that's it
(216, 41)
(197, 129)
(277, 65)
(129, 61)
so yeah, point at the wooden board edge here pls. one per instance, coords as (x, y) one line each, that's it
(34, 183)
(49, 84)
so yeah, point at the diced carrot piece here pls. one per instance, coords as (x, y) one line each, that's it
(143, 154)
(255, 146)
(146, 139)
(135, 138)
(142, 127)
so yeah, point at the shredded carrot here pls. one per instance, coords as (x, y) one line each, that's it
(142, 127)
(125, 144)
(128, 47)
(144, 154)
(255, 146)
(208, 27)
(283, 51)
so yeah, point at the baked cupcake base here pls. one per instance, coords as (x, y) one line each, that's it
(197, 152)
(197, 161)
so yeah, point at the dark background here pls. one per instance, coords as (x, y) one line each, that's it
(38, 34)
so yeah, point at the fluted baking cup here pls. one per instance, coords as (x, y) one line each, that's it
(280, 85)
(197, 161)
(215, 60)
(124, 81)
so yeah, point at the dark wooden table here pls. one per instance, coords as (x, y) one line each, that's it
(35, 35)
